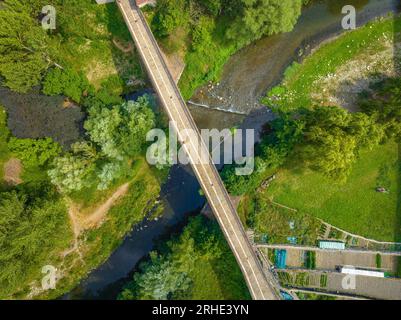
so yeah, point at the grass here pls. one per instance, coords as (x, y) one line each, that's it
(217, 281)
(352, 206)
(298, 84)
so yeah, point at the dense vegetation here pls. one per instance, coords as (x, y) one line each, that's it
(33, 231)
(73, 153)
(196, 265)
(208, 32)
(28, 53)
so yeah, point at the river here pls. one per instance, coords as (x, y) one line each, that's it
(246, 78)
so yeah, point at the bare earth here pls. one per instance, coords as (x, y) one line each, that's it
(81, 222)
(355, 76)
(12, 172)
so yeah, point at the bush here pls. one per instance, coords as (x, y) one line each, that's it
(67, 82)
(310, 262)
(34, 152)
(378, 261)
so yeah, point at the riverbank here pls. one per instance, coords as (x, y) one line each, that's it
(340, 66)
(255, 69)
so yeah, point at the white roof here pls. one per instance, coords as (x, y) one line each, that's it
(359, 272)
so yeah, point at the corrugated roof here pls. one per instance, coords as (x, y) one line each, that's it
(334, 245)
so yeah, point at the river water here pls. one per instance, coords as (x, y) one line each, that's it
(246, 78)
(260, 66)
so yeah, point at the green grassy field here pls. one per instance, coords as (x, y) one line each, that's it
(295, 90)
(354, 206)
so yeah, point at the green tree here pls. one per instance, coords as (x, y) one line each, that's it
(120, 131)
(258, 18)
(76, 169)
(33, 229)
(23, 46)
(201, 35)
(334, 137)
(34, 152)
(170, 14)
(66, 82)
(383, 102)
(213, 7)
(175, 272)
(108, 173)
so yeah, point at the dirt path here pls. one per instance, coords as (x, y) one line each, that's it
(12, 172)
(98, 216)
(80, 223)
(126, 48)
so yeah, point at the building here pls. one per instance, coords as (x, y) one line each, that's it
(360, 272)
(332, 245)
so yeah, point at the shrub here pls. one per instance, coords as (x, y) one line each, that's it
(67, 82)
(34, 152)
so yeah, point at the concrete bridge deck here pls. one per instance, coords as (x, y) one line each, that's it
(260, 287)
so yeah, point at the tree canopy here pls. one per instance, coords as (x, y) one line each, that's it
(23, 46)
(120, 131)
(32, 229)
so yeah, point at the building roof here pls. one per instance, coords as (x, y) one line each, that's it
(333, 245)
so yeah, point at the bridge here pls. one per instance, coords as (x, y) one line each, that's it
(260, 284)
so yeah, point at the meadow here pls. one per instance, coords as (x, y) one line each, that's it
(354, 206)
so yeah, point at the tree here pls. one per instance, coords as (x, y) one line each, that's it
(108, 173)
(212, 6)
(161, 281)
(334, 137)
(66, 82)
(34, 152)
(383, 102)
(23, 46)
(331, 152)
(76, 169)
(257, 18)
(170, 14)
(174, 273)
(33, 223)
(120, 131)
(201, 35)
